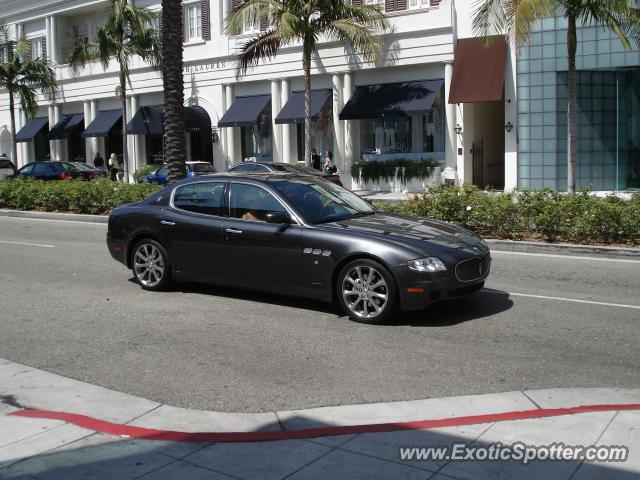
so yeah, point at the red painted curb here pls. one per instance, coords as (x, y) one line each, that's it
(209, 437)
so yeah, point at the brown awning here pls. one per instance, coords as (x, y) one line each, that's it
(478, 70)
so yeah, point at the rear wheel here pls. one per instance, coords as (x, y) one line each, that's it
(367, 291)
(150, 265)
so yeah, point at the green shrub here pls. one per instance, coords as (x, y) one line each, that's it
(544, 214)
(94, 197)
(146, 170)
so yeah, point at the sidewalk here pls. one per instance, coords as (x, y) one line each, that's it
(52, 427)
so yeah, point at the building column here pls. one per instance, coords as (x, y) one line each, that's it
(230, 131)
(450, 144)
(23, 152)
(338, 127)
(53, 144)
(287, 127)
(349, 127)
(275, 110)
(511, 115)
(96, 144)
(86, 111)
(134, 160)
(465, 161)
(52, 41)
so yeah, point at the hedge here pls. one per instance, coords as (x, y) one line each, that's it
(541, 215)
(94, 197)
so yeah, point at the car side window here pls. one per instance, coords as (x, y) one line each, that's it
(248, 202)
(27, 169)
(161, 171)
(41, 169)
(200, 198)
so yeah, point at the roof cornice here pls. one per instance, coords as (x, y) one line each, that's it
(13, 11)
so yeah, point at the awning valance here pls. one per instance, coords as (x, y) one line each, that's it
(293, 110)
(391, 99)
(478, 70)
(150, 121)
(66, 126)
(147, 121)
(244, 111)
(32, 128)
(103, 122)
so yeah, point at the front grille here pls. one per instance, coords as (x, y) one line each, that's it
(473, 269)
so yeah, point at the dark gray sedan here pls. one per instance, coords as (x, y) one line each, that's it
(296, 235)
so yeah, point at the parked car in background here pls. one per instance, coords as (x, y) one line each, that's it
(7, 168)
(268, 167)
(48, 170)
(90, 168)
(296, 235)
(194, 169)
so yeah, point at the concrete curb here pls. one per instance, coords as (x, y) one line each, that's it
(508, 245)
(73, 217)
(28, 387)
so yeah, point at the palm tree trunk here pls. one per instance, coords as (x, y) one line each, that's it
(571, 104)
(307, 106)
(174, 129)
(123, 100)
(14, 143)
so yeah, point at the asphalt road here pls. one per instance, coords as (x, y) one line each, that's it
(67, 307)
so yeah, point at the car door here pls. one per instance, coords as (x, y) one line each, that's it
(258, 253)
(27, 170)
(192, 228)
(43, 171)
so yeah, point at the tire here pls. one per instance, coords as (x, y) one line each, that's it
(150, 265)
(359, 300)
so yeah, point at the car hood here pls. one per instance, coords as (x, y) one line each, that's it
(430, 237)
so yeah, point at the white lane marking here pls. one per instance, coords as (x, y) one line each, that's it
(575, 300)
(79, 222)
(565, 257)
(27, 244)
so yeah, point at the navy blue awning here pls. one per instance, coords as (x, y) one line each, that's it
(391, 99)
(244, 111)
(196, 119)
(66, 126)
(150, 121)
(103, 122)
(147, 121)
(293, 110)
(32, 128)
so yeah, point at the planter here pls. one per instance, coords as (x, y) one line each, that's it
(396, 185)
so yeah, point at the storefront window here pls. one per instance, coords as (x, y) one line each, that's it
(321, 134)
(154, 146)
(257, 141)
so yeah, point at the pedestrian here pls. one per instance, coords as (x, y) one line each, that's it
(315, 160)
(98, 161)
(329, 166)
(114, 167)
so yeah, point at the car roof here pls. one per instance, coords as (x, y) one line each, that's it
(264, 178)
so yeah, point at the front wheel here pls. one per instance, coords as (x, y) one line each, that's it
(150, 265)
(367, 291)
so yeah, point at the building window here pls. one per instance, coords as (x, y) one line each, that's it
(193, 22)
(257, 140)
(37, 48)
(414, 4)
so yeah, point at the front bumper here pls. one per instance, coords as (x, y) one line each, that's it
(418, 289)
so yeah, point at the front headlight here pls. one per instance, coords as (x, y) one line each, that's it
(429, 264)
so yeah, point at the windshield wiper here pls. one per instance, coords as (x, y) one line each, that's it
(362, 214)
(337, 218)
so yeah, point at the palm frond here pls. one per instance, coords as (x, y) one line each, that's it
(249, 11)
(361, 37)
(263, 47)
(28, 99)
(617, 15)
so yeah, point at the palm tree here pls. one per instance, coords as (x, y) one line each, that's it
(22, 76)
(515, 18)
(127, 32)
(306, 21)
(174, 129)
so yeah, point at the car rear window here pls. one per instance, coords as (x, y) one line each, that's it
(5, 164)
(203, 168)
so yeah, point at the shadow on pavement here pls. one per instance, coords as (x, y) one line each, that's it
(363, 456)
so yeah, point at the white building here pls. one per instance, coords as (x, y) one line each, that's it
(395, 109)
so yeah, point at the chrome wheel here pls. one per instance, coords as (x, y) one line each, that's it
(365, 292)
(148, 265)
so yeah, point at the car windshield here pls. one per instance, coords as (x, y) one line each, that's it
(296, 169)
(66, 166)
(5, 164)
(84, 166)
(322, 202)
(202, 168)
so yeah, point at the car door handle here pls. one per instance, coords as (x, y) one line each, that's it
(233, 231)
(166, 222)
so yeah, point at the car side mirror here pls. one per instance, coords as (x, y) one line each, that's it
(278, 217)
